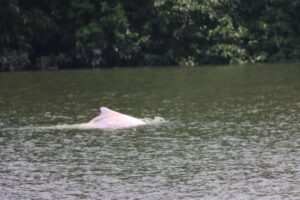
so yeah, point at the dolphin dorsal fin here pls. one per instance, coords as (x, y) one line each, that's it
(109, 119)
(106, 112)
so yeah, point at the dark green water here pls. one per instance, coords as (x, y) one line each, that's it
(231, 133)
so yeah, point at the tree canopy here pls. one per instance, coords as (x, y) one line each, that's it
(48, 34)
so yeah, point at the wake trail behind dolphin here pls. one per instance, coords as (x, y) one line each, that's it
(81, 126)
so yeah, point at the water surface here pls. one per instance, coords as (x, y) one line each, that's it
(231, 133)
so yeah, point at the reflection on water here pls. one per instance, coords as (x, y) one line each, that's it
(231, 133)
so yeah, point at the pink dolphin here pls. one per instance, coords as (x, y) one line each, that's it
(109, 119)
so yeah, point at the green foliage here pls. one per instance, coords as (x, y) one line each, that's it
(87, 33)
(13, 60)
(107, 40)
(227, 41)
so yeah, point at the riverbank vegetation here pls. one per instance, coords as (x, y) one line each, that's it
(58, 34)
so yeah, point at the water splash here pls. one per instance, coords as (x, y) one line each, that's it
(155, 121)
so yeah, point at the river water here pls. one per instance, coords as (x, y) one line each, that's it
(229, 133)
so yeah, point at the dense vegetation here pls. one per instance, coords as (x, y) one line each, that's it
(43, 34)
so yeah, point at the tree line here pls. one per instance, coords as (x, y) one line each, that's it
(58, 34)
